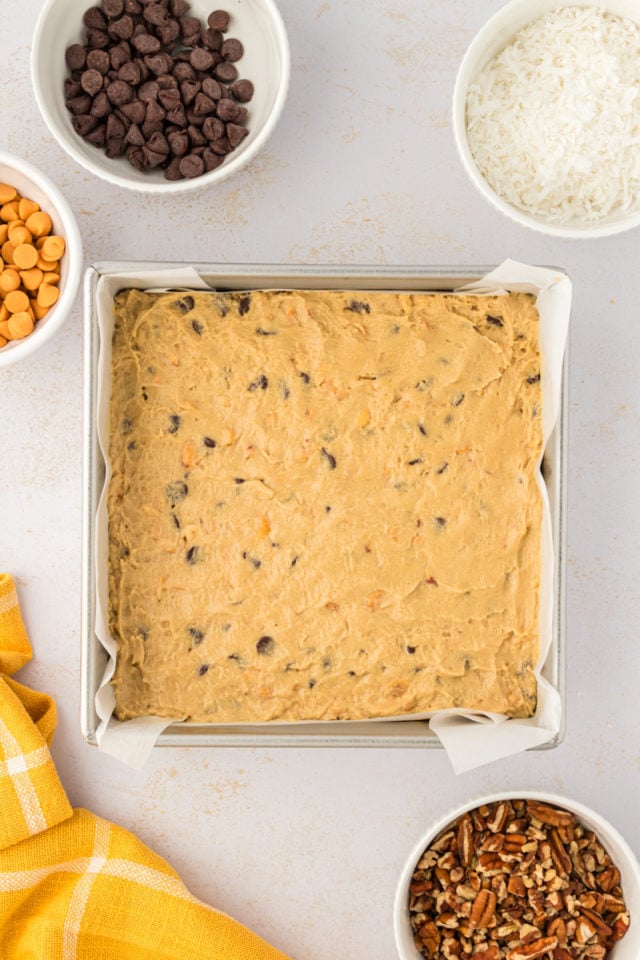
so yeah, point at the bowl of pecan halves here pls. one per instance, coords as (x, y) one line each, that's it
(525, 876)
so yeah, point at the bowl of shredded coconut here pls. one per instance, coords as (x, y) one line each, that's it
(546, 115)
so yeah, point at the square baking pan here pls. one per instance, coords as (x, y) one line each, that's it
(352, 733)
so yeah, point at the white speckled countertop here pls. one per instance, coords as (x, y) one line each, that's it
(306, 846)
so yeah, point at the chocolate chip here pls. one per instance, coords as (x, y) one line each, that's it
(158, 144)
(98, 136)
(209, 442)
(72, 89)
(423, 430)
(197, 326)
(212, 39)
(146, 44)
(168, 32)
(156, 13)
(305, 377)
(329, 457)
(219, 20)
(232, 50)
(534, 379)
(212, 88)
(196, 138)
(192, 555)
(136, 158)
(91, 82)
(115, 128)
(201, 59)
(113, 8)
(220, 146)
(191, 166)
(178, 143)
(185, 304)
(78, 105)
(494, 321)
(98, 60)
(457, 399)
(149, 90)
(211, 160)
(202, 669)
(213, 128)
(358, 306)
(119, 92)
(84, 124)
(94, 18)
(135, 112)
(122, 28)
(227, 110)
(119, 55)
(189, 28)
(196, 634)
(236, 134)
(412, 463)
(178, 7)
(172, 172)
(439, 521)
(174, 423)
(410, 649)
(203, 105)
(76, 56)
(261, 383)
(130, 73)
(265, 645)
(225, 72)
(169, 98)
(159, 64)
(98, 39)
(243, 90)
(176, 492)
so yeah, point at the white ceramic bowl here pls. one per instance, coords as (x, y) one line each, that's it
(626, 949)
(493, 37)
(33, 184)
(266, 61)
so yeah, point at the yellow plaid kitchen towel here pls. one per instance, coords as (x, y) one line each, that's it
(74, 886)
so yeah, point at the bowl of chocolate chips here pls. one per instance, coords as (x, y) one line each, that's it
(519, 876)
(161, 95)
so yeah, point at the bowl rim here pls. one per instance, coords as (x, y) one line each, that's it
(205, 180)
(73, 252)
(464, 75)
(581, 810)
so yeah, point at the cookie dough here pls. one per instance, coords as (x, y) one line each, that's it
(324, 505)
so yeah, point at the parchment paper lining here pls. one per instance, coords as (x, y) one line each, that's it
(470, 738)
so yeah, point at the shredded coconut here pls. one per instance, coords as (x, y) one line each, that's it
(553, 121)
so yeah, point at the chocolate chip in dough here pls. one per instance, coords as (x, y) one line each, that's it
(265, 646)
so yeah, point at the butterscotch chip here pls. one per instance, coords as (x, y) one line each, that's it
(7, 193)
(31, 279)
(39, 223)
(20, 325)
(25, 256)
(52, 248)
(26, 207)
(17, 233)
(16, 301)
(47, 295)
(9, 280)
(9, 211)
